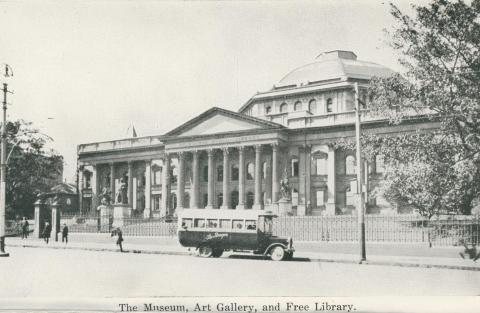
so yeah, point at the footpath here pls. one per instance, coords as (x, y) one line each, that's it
(388, 254)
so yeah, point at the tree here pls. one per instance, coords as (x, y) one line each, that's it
(439, 171)
(31, 168)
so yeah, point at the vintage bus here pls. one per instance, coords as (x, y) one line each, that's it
(213, 231)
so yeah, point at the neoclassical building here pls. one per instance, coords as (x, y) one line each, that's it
(236, 160)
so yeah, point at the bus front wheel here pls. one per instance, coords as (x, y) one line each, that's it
(217, 253)
(205, 251)
(277, 253)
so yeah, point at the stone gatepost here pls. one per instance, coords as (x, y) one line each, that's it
(120, 213)
(106, 217)
(55, 218)
(39, 207)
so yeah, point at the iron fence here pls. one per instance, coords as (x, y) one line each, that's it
(444, 231)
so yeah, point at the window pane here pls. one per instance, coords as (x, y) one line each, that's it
(187, 222)
(212, 223)
(251, 224)
(225, 224)
(321, 166)
(199, 223)
(237, 224)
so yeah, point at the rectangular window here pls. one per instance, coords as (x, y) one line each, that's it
(320, 197)
(157, 177)
(199, 223)
(251, 224)
(156, 202)
(295, 168)
(237, 224)
(212, 223)
(187, 222)
(321, 165)
(225, 224)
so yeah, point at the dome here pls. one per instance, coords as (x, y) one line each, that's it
(334, 65)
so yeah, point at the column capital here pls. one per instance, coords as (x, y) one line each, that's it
(210, 152)
(274, 146)
(225, 150)
(258, 148)
(241, 149)
(181, 155)
(130, 163)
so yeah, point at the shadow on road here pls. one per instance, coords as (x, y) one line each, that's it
(261, 257)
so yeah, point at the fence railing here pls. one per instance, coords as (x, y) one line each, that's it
(445, 231)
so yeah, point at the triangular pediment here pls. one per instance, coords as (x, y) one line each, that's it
(218, 121)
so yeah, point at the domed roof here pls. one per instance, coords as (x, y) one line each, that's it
(334, 65)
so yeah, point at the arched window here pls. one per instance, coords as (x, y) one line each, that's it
(312, 106)
(350, 165)
(220, 173)
(205, 173)
(234, 172)
(294, 171)
(220, 199)
(250, 171)
(329, 105)
(250, 199)
(186, 200)
(234, 199)
(268, 109)
(297, 106)
(283, 107)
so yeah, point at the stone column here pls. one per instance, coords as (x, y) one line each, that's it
(210, 179)
(226, 179)
(80, 188)
(331, 181)
(94, 185)
(112, 182)
(275, 182)
(55, 219)
(37, 231)
(241, 178)
(147, 213)
(302, 182)
(165, 185)
(130, 186)
(181, 181)
(257, 205)
(194, 189)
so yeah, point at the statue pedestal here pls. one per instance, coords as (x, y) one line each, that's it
(120, 213)
(106, 217)
(284, 206)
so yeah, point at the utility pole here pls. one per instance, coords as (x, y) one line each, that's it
(3, 168)
(360, 196)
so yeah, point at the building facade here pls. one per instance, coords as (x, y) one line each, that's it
(238, 160)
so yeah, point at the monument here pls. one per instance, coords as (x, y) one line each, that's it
(285, 202)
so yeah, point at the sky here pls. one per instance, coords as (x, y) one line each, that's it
(85, 71)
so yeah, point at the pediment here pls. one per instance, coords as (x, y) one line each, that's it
(218, 121)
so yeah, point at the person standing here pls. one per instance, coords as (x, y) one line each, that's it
(118, 233)
(24, 224)
(65, 233)
(47, 231)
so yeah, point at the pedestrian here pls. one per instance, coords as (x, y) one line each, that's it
(24, 224)
(470, 251)
(118, 233)
(65, 233)
(47, 231)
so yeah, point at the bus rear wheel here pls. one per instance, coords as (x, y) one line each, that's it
(277, 253)
(217, 253)
(205, 251)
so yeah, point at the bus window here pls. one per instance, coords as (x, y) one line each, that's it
(251, 224)
(225, 224)
(265, 224)
(237, 224)
(186, 222)
(212, 223)
(199, 223)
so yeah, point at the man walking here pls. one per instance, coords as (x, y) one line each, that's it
(24, 225)
(47, 231)
(65, 233)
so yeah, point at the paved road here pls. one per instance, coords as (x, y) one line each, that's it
(33, 272)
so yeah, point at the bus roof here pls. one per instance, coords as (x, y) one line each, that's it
(224, 214)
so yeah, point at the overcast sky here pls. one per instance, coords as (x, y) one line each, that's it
(84, 71)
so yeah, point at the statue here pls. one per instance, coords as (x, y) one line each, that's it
(121, 196)
(284, 186)
(105, 196)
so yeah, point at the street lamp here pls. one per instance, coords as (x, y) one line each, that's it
(360, 196)
(3, 167)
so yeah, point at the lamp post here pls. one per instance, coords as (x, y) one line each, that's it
(360, 196)
(3, 168)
